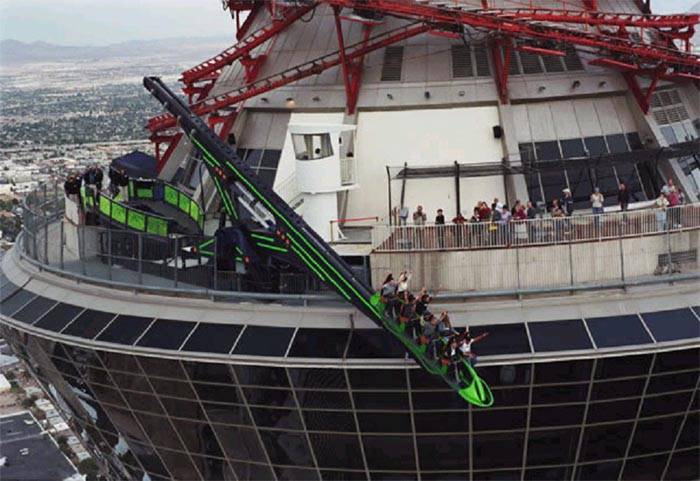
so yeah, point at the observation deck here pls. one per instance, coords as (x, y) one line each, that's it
(520, 292)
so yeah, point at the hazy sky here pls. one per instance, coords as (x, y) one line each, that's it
(98, 22)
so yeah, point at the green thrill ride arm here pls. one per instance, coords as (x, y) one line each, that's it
(226, 169)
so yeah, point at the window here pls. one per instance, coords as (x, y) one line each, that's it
(89, 323)
(607, 441)
(601, 412)
(572, 148)
(262, 376)
(618, 331)
(393, 63)
(58, 317)
(556, 415)
(655, 435)
(624, 366)
(319, 342)
(443, 452)
(212, 338)
(34, 310)
(389, 452)
(498, 419)
(385, 422)
(312, 146)
(509, 447)
(329, 421)
(377, 379)
(563, 371)
(559, 336)
(672, 325)
(547, 150)
(277, 418)
(462, 65)
(166, 334)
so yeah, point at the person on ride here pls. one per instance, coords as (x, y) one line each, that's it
(388, 293)
(429, 330)
(465, 342)
(408, 315)
(451, 357)
(445, 328)
(422, 303)
(402, 284)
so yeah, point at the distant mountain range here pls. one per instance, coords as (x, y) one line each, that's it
(16, 52)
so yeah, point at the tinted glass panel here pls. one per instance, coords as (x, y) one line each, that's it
(318, 378)
(58, 317)
(209, 372)
(607, 441)
(572, 148)
(559, 394)
(498, 419)
(240, 443)
(329, 421)
(450, 421)
(34, 310)
(595, 146)
(617, 389)
(684, 465)
(373, 343)
(287, 448)
(606, 180)
(384, 422)
(443, 452)
(125, 329)
(269, 397)
(508, 445)
(601, 412)
(617, 143)
(672, 325)
(319, 343)
(377, 379)
(212, 338)
(166, 334)
(397, 401)
(324, 399)
(635, 141)
(553, 182)
(570, 415)
(547, 150)
(264, 341)
(618, 331)
(89, 323)
(389, 452)
(277, 418)
(669, 404)
(262, 376)
(624, 366)
(641, 469)
(563, 371)
(655, 435)
(13, 303)
(598, 471)
(559, 335)
(677, 360)
(627, 173)
(502, 339)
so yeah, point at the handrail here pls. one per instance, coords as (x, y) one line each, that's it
(534, 232)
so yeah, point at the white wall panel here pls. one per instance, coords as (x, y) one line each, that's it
(624, 115)
(541, 122)
(564, 117)
(420, 138)
(607, 116)
(587, 117)
(522, 124)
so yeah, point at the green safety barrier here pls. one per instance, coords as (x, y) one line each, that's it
(118, 213)
(171, 195)
(105, 206)
(136, 220)
(145, 193)
(157, 226)
(184, 203)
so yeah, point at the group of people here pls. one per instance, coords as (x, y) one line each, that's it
(669, 197)
(444, 343)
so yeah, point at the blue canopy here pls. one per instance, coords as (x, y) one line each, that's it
(137, 164)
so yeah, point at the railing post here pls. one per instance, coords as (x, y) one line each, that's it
(175, 251)
(668, 246)
(61, 241)
(216, 272)
(109, 252)
(517, 270)
(139, 240)
(622, 261)
(571, 266)
(46, 236)
(81, 248)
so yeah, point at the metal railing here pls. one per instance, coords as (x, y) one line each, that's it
(534, 232)
(633, 248)
(347, 170)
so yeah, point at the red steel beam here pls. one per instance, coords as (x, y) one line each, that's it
(244, 47)
(292, 75)
(643, 98)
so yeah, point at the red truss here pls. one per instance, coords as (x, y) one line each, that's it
(537, 30)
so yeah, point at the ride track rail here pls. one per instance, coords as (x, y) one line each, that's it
(227, 170)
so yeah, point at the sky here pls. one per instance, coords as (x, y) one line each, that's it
(101, 22)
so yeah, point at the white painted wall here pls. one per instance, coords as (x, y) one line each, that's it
(431, 137)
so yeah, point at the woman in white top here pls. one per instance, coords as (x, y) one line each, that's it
(661, 204)
(597, 200)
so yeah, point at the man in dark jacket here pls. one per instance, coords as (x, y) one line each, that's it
(568, 202)
(623, 196)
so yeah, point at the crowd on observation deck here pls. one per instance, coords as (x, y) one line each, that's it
(497, 224)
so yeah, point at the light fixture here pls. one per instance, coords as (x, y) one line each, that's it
(316, 99)
(576, 84)
(264, 100)
(461, 93)
(289, 102)
(390, 97)
(541, 89)
(602, 84)
(426, 94)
